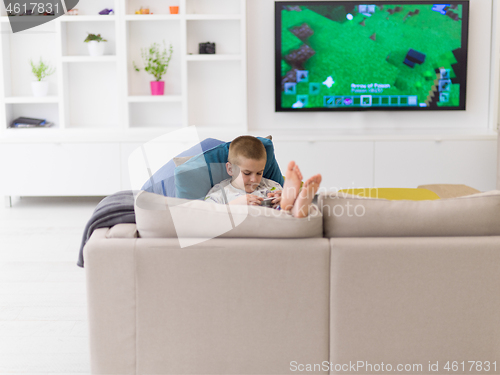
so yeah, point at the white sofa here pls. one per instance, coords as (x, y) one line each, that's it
(407, 283)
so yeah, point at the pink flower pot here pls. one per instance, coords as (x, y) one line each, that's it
(157, 87)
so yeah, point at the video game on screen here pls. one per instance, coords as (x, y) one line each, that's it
(371, 56)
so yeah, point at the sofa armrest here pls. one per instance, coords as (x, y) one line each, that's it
(111, 302)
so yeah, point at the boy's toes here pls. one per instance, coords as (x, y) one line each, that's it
(297, 172)
(318, 179)
(308, 182)
(291, 166)
(315, 179)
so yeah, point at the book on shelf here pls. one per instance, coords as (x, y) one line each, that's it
(28, 122)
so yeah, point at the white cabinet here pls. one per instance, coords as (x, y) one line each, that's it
(102, 168)
(413, 163)
(398, 163)
(59, 169)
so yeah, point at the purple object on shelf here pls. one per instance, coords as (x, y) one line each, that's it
(106, 11)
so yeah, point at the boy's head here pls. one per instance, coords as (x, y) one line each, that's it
(247, 160)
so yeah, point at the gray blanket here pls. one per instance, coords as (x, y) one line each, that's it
(114, 209)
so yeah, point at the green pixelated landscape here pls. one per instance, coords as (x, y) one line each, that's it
(368, 50)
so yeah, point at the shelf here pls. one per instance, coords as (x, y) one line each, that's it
(31, 99)
(154, 98)
(27, 18)
(152, 17)
(37, 132)
(214, 57)
(83, 18)
(105, 58)
(124, 93)
(213, 16)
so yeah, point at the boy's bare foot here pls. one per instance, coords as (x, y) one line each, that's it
(291, 187)
(301, 206)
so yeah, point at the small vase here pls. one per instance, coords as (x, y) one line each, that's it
(157, 87)
(40, 88)
(96, 48)
(174, 10)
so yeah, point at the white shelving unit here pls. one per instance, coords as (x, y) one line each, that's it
(101, 107)
(106, 93)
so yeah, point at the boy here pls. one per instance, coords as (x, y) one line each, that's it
(246, 162)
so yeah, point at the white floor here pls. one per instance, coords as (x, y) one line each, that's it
(43, 309)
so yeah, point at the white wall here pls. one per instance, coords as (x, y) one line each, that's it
(261, 114)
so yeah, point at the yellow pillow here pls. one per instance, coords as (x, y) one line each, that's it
(393, 193)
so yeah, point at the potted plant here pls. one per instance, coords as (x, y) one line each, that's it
(95, 44)
(40, 71)
(156, 63)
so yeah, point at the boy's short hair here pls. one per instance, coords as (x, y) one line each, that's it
(248, 147)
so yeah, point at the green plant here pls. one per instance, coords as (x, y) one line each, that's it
(156, 61)
(41, 70)
(97, 38)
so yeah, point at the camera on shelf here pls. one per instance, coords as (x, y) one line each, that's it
(207, 48)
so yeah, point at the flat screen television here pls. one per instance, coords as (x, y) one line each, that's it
(358, 56)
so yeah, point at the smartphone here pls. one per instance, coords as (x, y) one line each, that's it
(267, 202)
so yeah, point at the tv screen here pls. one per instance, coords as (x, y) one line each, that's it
(384, 55)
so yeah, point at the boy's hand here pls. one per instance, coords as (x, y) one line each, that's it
(248, 199)
(277, 198)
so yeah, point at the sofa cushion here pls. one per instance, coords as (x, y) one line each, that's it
(166, 217)
(351, 216)
(197, 176)
(163, 180)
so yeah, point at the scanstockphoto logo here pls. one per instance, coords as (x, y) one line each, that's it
(26, 14)
(151, 168)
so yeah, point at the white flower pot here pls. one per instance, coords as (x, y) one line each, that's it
(96, 48)
(40, 88)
